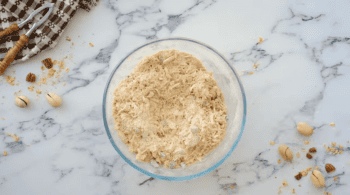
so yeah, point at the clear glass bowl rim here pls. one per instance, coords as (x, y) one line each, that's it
(160, 176)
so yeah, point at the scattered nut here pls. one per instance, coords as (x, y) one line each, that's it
(54, 100)
(31, 78)
(298, 176)
(317, 178)
(312, 150)
(285, 152)
(309, 156)
(305, 129)
(329, 168)
(22, 101)
(48, 63)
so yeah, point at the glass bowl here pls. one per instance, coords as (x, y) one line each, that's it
(228, 81)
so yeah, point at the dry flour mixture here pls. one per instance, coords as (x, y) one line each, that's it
(170, 110)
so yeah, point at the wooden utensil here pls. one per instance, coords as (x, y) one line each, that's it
(23, 39)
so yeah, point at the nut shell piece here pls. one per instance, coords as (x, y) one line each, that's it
(54, 100)
(317, 178)
(285, 152)
(305, 129)
(22, 101)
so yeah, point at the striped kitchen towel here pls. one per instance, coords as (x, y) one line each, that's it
(47, 34)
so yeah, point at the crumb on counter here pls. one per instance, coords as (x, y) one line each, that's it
(61, 64)
(260, 40)
(92, 45)
(51, 73)
(5, 153)
(332, 124)
(306, 142)
(31, 88)
(15, 137)
(285, 183)
(272, 143)
(10, 80)
(38, 91)
(255, 66)
(251, 73)
(43, 80)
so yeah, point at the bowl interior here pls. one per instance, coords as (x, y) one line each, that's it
(227, 81)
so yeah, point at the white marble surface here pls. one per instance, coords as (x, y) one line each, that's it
(304, 75)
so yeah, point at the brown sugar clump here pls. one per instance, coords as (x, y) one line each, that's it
(309, 156)
(329, 168)
(312, 150)
(48, 63)
(298, 176)
(31, 78)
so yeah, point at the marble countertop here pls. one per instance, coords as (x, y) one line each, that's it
(303, 76)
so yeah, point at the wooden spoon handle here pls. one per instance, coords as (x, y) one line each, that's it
(10, 56)
(9, 30)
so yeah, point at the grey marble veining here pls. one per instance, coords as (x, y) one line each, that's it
(302, 76)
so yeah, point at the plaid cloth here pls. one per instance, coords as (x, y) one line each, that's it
(46, 35)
